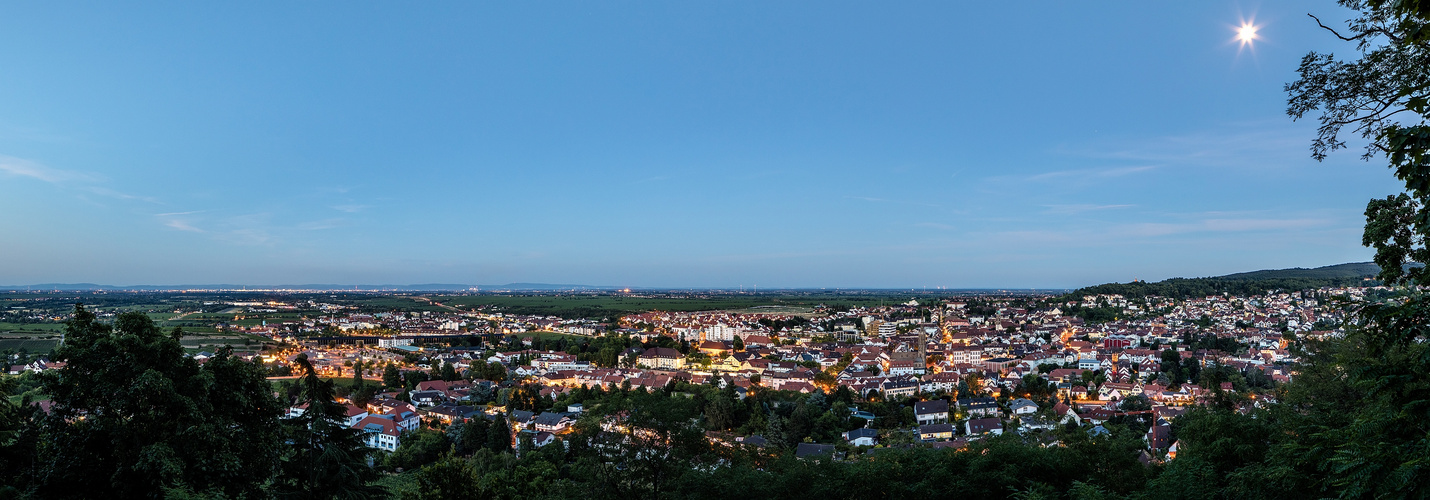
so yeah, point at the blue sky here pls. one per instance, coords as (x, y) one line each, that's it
(670, 144)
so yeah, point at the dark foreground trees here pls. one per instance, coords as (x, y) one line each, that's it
(635, 463)
(131, 416)
(324, 458)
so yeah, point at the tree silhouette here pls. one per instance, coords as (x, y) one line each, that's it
(133, 416)
(325, 458)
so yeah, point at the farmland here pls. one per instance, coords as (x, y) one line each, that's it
(28, 343)
(33, 321)
(600, 305)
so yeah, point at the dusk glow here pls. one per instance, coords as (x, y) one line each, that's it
(576, 250)
(686, 144)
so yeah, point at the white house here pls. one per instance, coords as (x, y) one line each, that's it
(931, 412)
(1022, 406)
(862, 436)
(379, 432)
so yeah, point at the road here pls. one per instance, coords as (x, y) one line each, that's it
(438, 304)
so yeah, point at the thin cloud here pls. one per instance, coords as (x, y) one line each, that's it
(1082, 208)
(251, 236)
(35, 170)
(1248, 145)
(758, 175)
(247, 229)
(871, 199)
(1219, 226)
(180, 221)
(352, 208)
(33, 135)
(1121, 233)
(1091, 173)
(321, 224)
(1142, 232)
(1227, 225)
(104, 191)
(182, 226)
(78, 182)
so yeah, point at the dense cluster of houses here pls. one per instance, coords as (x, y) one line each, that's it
(963, 361)
(933, 352)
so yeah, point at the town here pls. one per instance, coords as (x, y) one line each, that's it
(715, 250)
(929, 372)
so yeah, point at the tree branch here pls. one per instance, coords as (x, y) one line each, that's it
(1333, 30)
(1368, 32)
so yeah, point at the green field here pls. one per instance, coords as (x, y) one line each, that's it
(389, 303)
(218, 340)
(31, 337)
(160, 306)
(19, 398)
(196, 328)
(399, 485)
(341, 381)
(547, 335)
(206, 322)
(29, 345)
(9, 328)
(44, 342)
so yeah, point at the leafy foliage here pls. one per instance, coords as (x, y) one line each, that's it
(324, 459)
(1182, 288)
(133, 416)
(419, 448)
(1380, 95)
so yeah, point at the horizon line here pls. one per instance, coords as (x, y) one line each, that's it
(93, 287)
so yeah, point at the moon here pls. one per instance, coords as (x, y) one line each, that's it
(1246, 33)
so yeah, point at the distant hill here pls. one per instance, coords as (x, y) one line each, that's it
(1352, 270)
(1248, 283)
